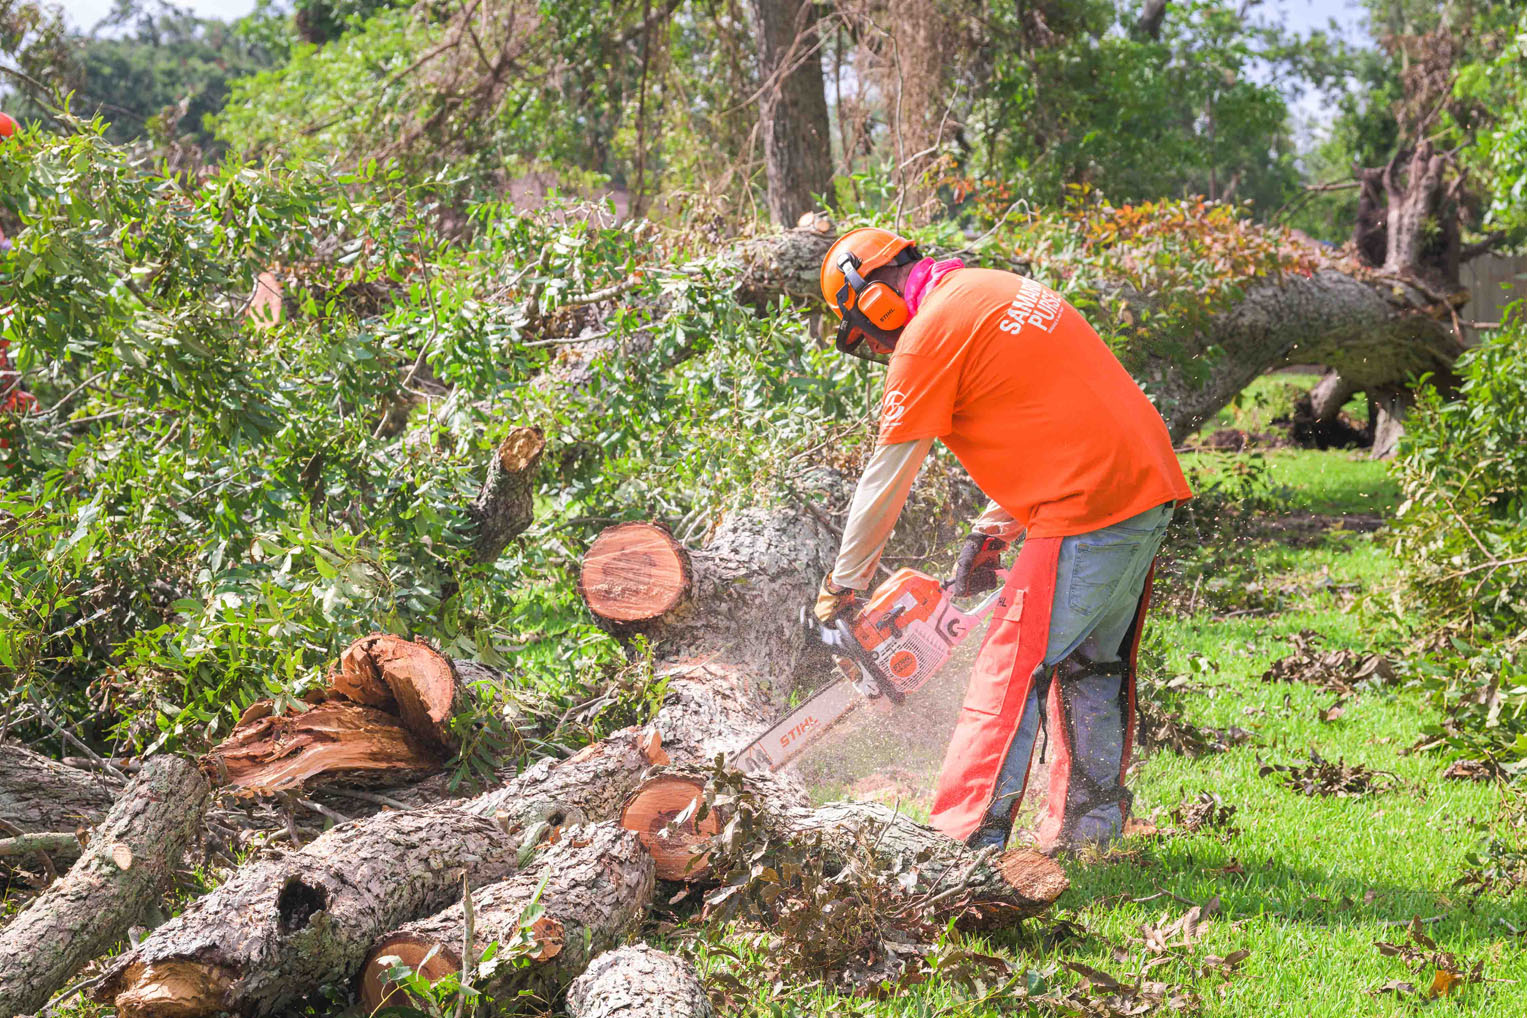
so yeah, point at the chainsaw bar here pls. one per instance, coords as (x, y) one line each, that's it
(790, 736)
(906, 632)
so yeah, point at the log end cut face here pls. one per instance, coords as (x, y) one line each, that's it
(423, 955)
(1035, 877)
(634, 572)
(666, 814)
(179, 988)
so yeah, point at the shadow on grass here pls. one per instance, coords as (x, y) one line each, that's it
(1171, 874)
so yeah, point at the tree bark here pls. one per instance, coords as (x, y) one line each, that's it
(40, 795)
(1388, 406)
(730, 654)
(638, 982)
(1329, 395)
(1148, 24)
(593, 887)
(281, 927)
(503, 509)
(128, 867)
(792, 108)
(1317, 420)
(918, 67)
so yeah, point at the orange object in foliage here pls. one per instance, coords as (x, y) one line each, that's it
(1041, 413)
(8, 125)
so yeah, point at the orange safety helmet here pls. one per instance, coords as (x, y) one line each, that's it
(873, 313)
(7, 125)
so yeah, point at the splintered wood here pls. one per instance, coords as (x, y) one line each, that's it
(385, 719)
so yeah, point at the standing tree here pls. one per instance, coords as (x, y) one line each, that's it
(792, 108)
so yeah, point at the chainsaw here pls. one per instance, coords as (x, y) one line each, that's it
(889, 649)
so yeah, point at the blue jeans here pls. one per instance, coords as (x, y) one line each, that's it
(1098, 581)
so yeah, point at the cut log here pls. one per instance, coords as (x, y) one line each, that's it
(503, 508)
(592, 887)
(662, 813)
(281, 927)
(38, 794)
(638, 982)
(385, 720)
(730, 655)
(979, 891)
(634, 572)
(128, 867)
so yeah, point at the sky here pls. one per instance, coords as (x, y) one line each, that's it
(83, 13)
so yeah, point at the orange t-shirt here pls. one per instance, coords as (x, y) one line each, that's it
(1038, 409)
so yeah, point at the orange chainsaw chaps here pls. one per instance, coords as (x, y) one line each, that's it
(1013, 650)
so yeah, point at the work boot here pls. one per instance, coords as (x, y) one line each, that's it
(993, 831)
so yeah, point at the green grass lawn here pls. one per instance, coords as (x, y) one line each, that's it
(1307, 885)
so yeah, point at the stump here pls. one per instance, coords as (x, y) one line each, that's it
(633, 573)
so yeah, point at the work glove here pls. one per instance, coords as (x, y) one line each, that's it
(976, 570)
(834, 601)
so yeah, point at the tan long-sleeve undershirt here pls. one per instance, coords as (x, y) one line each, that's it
(878, 501)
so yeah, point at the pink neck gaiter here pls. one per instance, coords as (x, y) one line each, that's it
(927, 274)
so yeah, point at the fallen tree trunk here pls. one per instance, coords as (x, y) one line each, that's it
(638, 982)
(38, 794)
(128, 867)
(979, 891)
(592, 888)
(1375, 330)
(281, 927)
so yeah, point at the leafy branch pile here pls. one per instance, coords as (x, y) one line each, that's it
(1462, 534)
(210, 506)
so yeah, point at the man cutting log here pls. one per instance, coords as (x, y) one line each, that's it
(1073, 457)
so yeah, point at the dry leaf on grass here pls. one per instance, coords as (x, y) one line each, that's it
(1340, 779)
(1419, 953)
(1337, 671)
(1204, 812)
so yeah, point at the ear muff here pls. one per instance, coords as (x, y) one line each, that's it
(871, 311)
